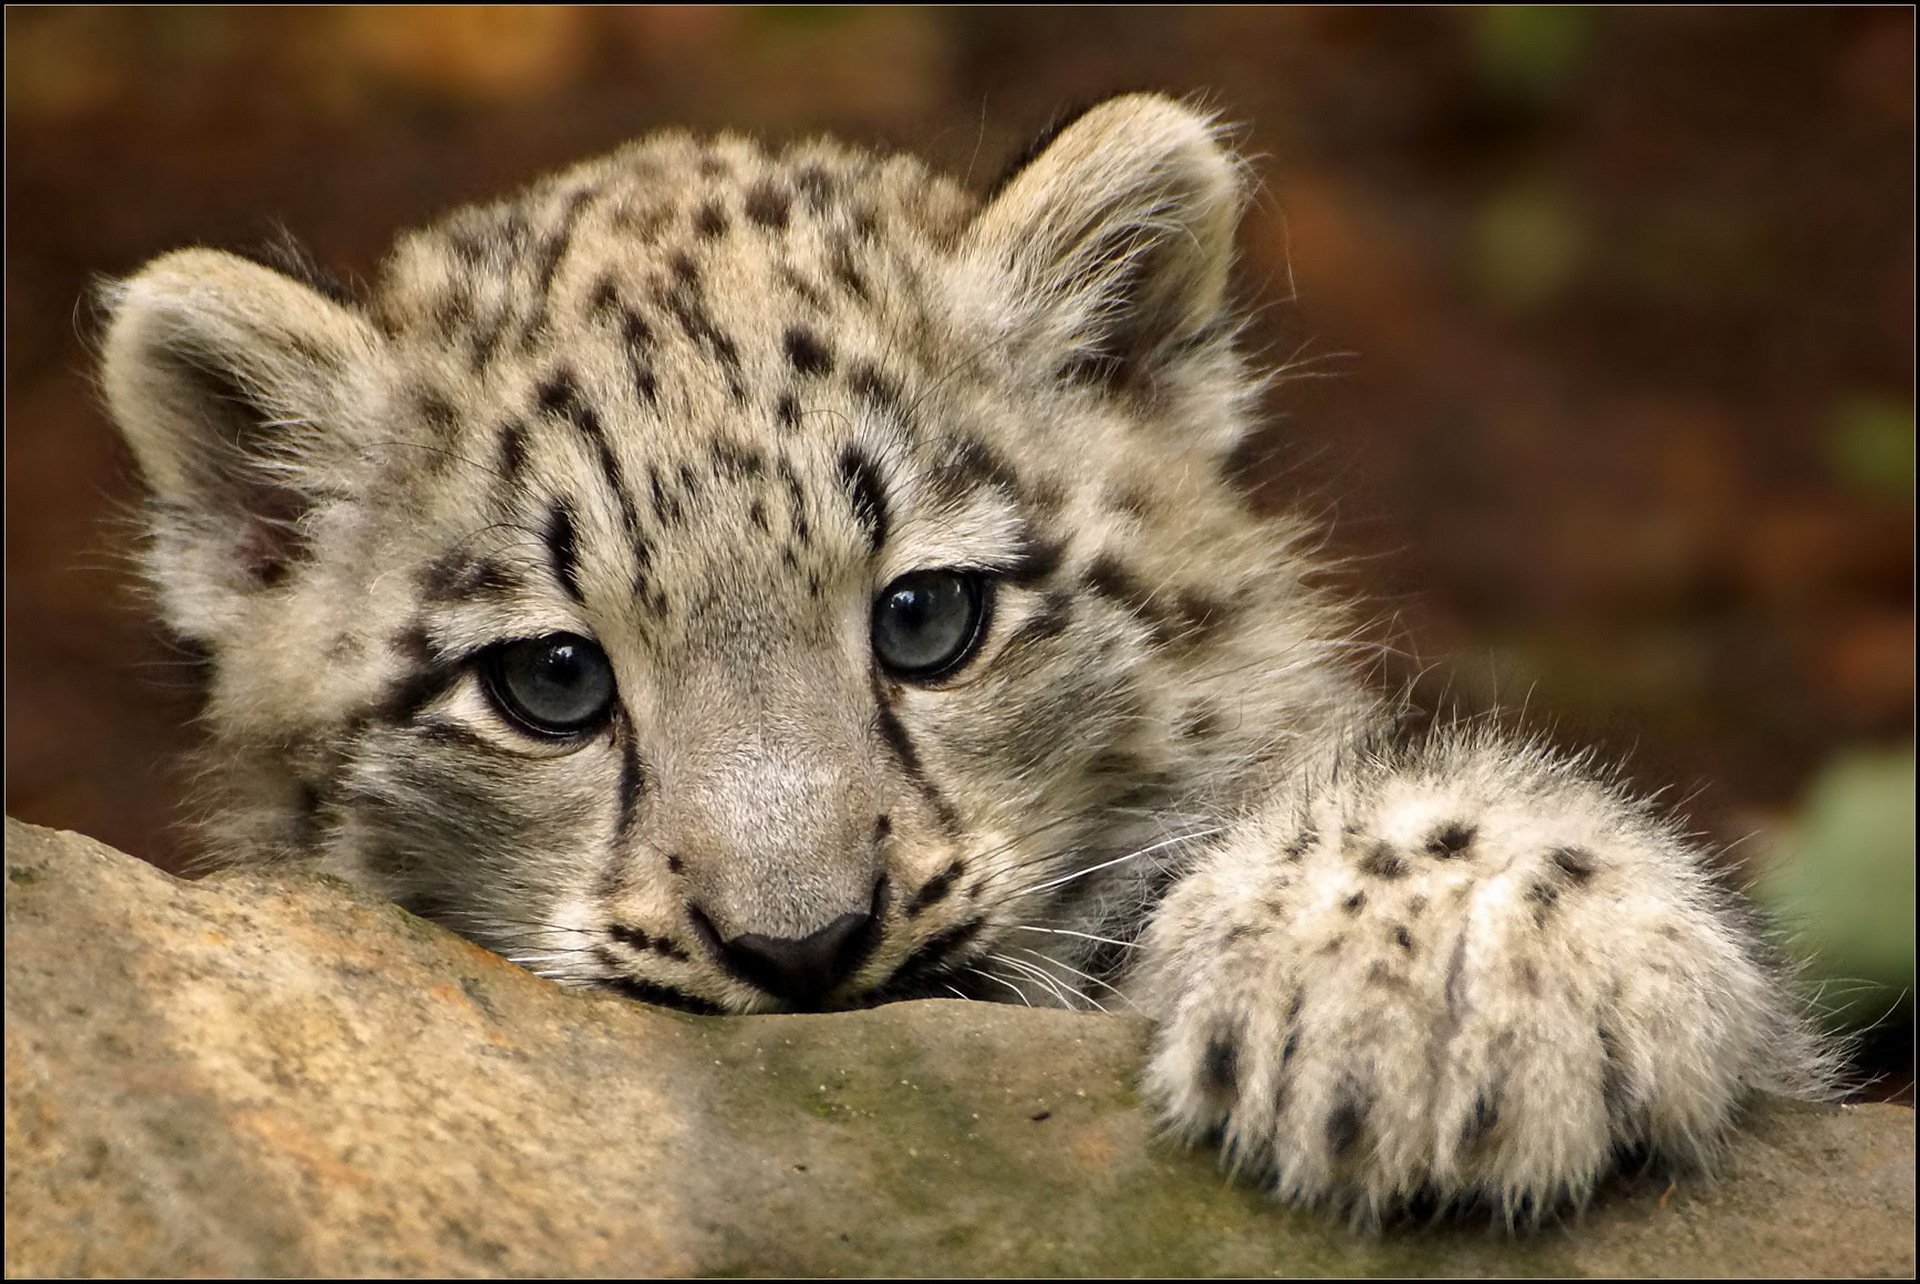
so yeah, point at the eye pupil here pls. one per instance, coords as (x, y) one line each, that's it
(927, 622)
(555, 685)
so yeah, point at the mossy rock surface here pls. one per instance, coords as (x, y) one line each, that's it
(260, 1074)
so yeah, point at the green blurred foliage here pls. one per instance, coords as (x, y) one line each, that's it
(1870, 444)
(1529, 241)
(1845, 885)
(1529, 52)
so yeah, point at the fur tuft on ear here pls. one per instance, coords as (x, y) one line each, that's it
(1117, 237)
(240, 391)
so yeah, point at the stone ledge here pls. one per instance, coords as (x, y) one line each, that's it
(270, 1074)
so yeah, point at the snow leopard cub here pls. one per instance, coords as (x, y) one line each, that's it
(759, 580)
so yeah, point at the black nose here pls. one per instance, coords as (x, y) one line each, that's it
(803, 970)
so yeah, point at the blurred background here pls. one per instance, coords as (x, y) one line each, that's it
(1600, 326)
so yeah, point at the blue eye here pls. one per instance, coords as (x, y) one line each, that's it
(926, 623)
(558, 685)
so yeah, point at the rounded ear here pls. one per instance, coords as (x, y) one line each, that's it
(1117, 237)
(240, 391)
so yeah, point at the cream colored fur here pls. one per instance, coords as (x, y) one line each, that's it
(700, 403)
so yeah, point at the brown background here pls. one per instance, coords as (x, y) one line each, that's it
(1614, 311)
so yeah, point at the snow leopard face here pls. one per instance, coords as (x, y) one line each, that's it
(745, 579)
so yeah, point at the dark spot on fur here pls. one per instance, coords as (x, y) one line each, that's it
(1354, 903)
(562, 551)
(632, 782)
(1346, 1124)
(882, 391)
(1201, 722)
(710, 220)
(1576, 864)
(1453, 839)
(846, 272)
(1382, 861)
(460, 577)
(1220, 1066)
(861, 479)
(1403, 938)
(768, 204)
(1479, 1125)
(787, 410)
(817, 185)
(1036, 560)
(430, 673)
(1528, 977)
(1544, 896)
(513, 452)
(675, 865)
(806, 353)
(1302, 843)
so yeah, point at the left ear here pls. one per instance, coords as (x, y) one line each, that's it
(1116, 238)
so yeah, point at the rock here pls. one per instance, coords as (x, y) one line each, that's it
(271, 1074)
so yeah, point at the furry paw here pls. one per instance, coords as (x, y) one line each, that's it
(1479, 981)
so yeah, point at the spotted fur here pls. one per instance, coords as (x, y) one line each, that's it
(701, 402)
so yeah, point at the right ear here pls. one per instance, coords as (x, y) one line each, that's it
(242, 392)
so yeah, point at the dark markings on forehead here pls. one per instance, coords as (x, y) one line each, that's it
(807, 353)
(1109, 578)
(861, 479)
(553, 249)
(561, 549)
(735, 460)
(845, 271)
(638, 336)
(460, 576)
(768, 204)
(425, 673)
(710, 221)
(969, 465)
(486, 341)
(796, 499)
(686, 302)
(559, 398)
(809, 293)
(1037, 559)
(817, 185)
(604, 299)
(877, 388)
(439, 413)
(667, 509)
(901, 744)
(642, 226)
